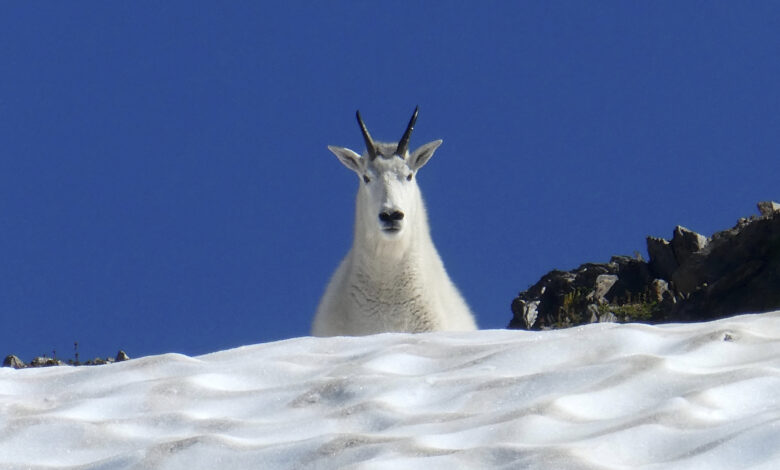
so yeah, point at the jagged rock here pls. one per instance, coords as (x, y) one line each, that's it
(560, 297)
(45, 362)
(739, 272)
(767, 208)
(660, 290)
(588, 273)
(528, 313)
(13, 361)
(98, 361)
(42, 361)
(633, 279)
(686, 242)
(662, 261)
(691, 278)
(551, 289)
(604, 283)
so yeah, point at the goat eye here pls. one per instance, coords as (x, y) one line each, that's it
(409, 177)
(366, 179)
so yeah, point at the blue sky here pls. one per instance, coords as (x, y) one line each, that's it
(165, 184)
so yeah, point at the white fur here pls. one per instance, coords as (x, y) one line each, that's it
(390, 281)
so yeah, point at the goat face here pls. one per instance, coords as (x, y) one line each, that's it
(389, 197)
(390, 194)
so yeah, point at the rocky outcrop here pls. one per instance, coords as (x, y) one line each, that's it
(13, 361)
(43, 361)
(687, 278)
(768, 207)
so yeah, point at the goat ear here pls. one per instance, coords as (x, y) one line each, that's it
(421, 156)
(349, 158)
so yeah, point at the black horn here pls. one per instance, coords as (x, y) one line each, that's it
(403, 144)
(367, 137)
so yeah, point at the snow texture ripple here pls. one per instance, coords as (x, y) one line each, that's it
(606, 396)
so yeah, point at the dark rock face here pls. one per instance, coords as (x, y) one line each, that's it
(690, 278)
(738, 272)
(662, 259)
(685, 243)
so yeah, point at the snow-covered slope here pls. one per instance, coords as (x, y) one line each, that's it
(604, 396)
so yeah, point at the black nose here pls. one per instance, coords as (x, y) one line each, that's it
(391, 216)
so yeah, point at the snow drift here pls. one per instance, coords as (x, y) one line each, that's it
(603, 396)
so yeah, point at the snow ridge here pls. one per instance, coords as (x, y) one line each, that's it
(603, 396)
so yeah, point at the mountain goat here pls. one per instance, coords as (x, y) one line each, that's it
(392, 279)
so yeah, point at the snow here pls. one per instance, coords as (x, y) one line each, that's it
(606, 396)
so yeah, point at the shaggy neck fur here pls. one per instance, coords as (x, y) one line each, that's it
(388, 276)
